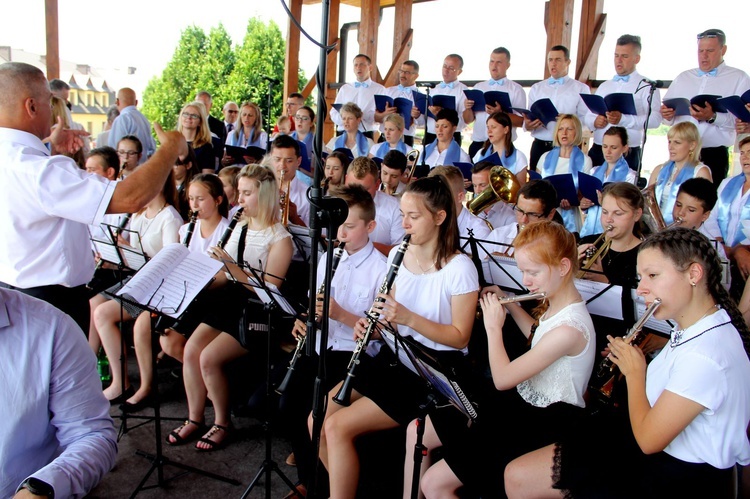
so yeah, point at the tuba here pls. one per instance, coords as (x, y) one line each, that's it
(652, 216)
(504, 186)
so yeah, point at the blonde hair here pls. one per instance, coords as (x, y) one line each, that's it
(59, 110)
(268, 192)
(396, 119)
(203, 133)
(452, 174)
(576, 123)
(687, 131)
(257, 128)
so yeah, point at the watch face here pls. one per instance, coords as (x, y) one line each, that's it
(38, 487)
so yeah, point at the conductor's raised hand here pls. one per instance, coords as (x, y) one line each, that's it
(65, 140)
(171, 137)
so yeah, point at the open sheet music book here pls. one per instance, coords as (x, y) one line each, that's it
(413, 358)
(133, 257)
(103, 244)
(171, 280)
(268, 292)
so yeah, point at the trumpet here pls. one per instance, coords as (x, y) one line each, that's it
(343, 397)
(411, 163)
(284, 199)
(301, 340)
(603, 380)
(593, 255)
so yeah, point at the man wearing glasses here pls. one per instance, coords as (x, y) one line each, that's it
(231, 112)
(499, 81)
(711, 77)
(452, 67)
(295, 101)
(407, 78)
(362, 92)
(536, 201)
(131, 122)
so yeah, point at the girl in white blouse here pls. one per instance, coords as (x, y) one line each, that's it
(541, 390)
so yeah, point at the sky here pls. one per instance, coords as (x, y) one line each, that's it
(144, 34)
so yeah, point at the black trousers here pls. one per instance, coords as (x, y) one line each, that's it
(633, 157)
(72, 301)
(430, 137)
(717, 159)
(538, 147)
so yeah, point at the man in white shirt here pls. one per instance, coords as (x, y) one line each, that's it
(131, 122)
(500, 213)
(391, 171)
(286, 157)
(464, 218)
(627, 80)
(362, 92)
(711, 77)
(49, 201)
(499, 81)
(563, 91)
(452, 67)
(231, 112)
(407, 77)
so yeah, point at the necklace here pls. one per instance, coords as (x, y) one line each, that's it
(148, 221)
(675, 342)
(420, 265)
(676, 339)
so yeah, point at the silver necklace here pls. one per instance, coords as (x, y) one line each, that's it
(676, 339)
(420, 265)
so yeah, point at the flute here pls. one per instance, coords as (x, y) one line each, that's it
(301, 340)
(343, 397)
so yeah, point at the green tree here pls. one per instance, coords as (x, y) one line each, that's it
(217, 65)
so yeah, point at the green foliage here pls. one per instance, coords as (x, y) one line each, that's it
(208, 62)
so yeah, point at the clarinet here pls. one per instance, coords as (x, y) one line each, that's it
(603, 380)
(301, 340)
(228, 232)
(343, 397)
(190, 228)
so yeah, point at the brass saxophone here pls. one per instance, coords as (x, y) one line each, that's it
(603, 380)
(301, 340)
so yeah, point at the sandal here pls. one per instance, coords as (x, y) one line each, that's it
(180, 440)
(213, 445)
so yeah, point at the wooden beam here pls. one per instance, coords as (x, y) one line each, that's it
(52, 58)
(402, 39)
(558, 23)
(391, 77)
(591, 28)
(586, 65)
(309, 87)
(291, 59)
(367, 35)
(332, 65)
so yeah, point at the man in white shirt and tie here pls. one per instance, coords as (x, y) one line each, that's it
(563, 91)
(452, 67)
(407, 77)
(362, 92)
(711, 77)
(499, 81)
(627, 80)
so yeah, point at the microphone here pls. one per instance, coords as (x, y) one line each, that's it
(654, 83)
(425, 84)
(275, 81)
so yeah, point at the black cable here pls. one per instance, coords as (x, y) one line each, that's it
(296, 23)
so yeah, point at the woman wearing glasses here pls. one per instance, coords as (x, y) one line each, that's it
(129, 150)
(193, 125)
(304, 131)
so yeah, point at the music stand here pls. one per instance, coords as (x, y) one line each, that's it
(411, 355)
(273, 301)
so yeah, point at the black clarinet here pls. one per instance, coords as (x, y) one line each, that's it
(190, 228)
(343, 397)
(301, 340)
(228, 232)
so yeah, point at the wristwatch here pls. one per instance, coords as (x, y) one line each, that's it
(712, 120)
(38, 487)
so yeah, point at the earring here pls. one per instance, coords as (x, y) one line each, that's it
(692, 284)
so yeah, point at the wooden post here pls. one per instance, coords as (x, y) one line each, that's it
(402, 39)
(291, 59)
(52, 59)
(558, 22)
(368, 31)
(332, 67)
(591, 34)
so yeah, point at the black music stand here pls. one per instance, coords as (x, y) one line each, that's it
(411, 355)
(273, 301)
(158, 460)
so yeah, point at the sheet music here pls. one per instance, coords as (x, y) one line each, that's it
(277, 296)
(107, 251)
(132, 258)
(172, 279)
(302, 242)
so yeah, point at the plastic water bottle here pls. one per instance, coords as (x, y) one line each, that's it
(102, 367)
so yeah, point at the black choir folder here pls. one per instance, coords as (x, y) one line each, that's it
(491, 97)
(621, 101)
(413, 356)
(735, 104)
(682, 105)
(171, 280)
(403, 105)
(238, 154)
(421, 102)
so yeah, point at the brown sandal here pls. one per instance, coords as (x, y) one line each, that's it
(179, 440)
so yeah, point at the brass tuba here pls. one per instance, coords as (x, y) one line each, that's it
(504, 186)
(652, 216)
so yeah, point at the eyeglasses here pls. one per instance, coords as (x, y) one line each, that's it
(302, 118)
(127, 154)
(232, 111)
(191, 116)
(711, 33)
(527, 214)
(408, 72)
(167, 296)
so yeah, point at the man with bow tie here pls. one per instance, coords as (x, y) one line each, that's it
(627, 80)
(362, 93)
(452, 67)
(711, 77)
(563, 91)
(407, 77)
(499, 81)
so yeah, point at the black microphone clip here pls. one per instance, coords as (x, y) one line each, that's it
(269, 79)
(653, 83)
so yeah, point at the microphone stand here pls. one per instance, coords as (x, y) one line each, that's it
(271, 83)
(423, 168)
(651, 90)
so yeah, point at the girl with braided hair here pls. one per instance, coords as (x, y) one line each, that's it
(688, 410)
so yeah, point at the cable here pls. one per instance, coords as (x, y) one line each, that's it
(296, 23)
